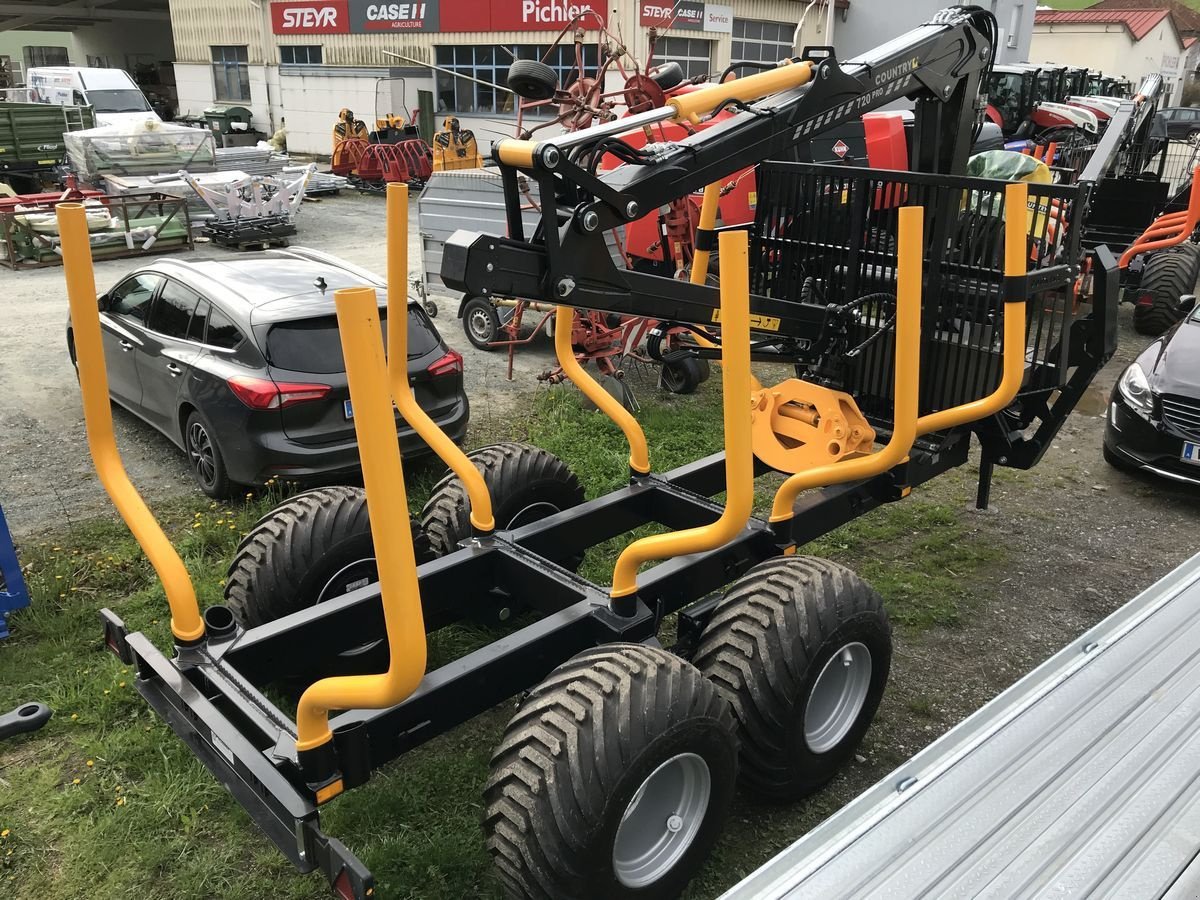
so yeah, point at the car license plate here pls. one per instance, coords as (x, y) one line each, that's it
(349, 410)
(1191, 453)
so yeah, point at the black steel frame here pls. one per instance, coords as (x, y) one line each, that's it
(213, 694)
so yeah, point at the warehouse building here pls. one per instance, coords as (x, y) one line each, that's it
(296, 63)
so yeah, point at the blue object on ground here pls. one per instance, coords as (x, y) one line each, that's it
(13, 592)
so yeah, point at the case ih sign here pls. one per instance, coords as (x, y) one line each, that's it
(447, 16)
(687, 15)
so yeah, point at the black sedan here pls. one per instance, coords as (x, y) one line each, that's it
(1154, 414)
(1181, 122)
(238, 361)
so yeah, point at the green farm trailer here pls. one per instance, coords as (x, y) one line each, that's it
(31, 139)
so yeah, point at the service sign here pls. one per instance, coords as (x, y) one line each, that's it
(718, 19)
(367, 16)
(686, 14)
(310, 17)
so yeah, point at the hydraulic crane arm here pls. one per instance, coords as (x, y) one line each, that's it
(939, 65)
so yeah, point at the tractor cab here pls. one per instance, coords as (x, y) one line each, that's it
(1051, 84)
(1076, 81)
(1027, 101)
(1010, 96)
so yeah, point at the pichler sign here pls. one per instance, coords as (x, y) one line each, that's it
(367, 17)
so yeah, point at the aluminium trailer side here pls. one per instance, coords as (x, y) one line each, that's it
(1080, 780)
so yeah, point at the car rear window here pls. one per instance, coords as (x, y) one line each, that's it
(313, 345)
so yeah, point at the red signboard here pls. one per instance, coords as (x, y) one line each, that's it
(517, 15)
(446, 16)
(311, 17)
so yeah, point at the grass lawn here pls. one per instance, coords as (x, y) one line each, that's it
(105, 802)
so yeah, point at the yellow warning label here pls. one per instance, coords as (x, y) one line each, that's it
(753, 195)
(757, 322)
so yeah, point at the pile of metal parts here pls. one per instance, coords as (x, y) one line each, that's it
(262, 160)
(254, 210)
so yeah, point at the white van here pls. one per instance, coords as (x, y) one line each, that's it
(115, 97)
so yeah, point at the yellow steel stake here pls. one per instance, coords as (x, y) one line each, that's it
(397, 305)
(186, 624)
(639, 454)
(383, 477)
(907, 379)
(1016, 255)
(739, 458)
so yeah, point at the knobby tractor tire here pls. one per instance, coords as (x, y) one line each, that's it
(312, 547)
(801, 648)
(564, 813)
(1166, 278)
(525, 483)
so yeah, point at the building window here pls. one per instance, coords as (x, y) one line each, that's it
(300, 55)
(755, 41)
(694, 55)
(46, 56)
(231, 74)
(490, 63)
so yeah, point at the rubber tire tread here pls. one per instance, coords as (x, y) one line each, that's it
(272, 572)
(511, 471)
(685, 375)
(222, 487)
(1167, 277)
(524, 74)
(571, 759)
(763, 648)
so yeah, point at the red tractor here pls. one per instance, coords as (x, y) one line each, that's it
(1029, 102)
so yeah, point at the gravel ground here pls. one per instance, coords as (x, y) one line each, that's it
(46, 475)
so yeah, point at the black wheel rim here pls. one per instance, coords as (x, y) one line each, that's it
(480, 324)
(351, 577)
(202, 453)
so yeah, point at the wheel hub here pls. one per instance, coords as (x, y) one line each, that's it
(662, 820)
(481, 327)
(837, 697)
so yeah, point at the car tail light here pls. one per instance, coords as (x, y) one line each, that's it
(263, 393)
(450, 364)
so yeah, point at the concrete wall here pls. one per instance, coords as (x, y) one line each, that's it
(1112, 49)
(124, 44)
(871, 23)
(121, 46)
